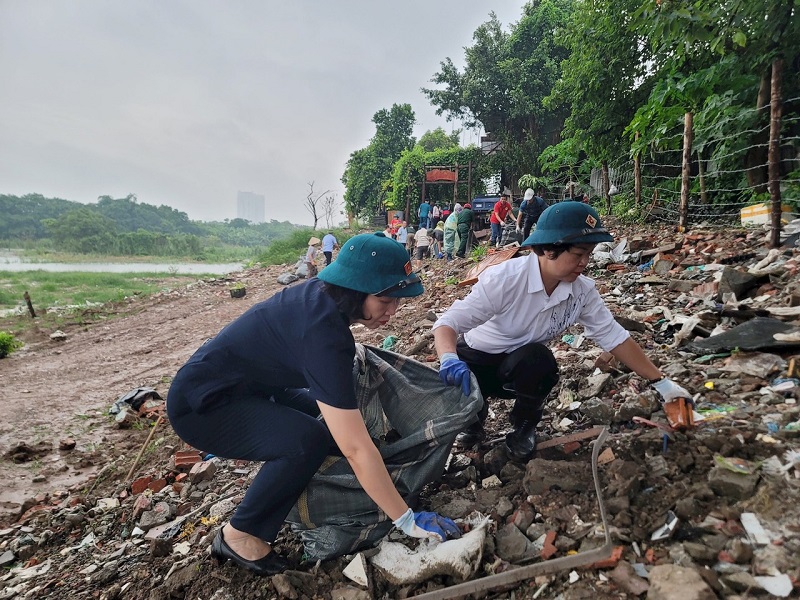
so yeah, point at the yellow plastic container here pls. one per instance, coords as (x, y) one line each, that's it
(758, 214)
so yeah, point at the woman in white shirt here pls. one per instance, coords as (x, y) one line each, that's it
(499, 331)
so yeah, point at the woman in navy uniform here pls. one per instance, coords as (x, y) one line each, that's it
(256, 390)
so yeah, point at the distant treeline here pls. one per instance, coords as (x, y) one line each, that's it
(125, 227)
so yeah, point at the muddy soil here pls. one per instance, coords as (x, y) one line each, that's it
(54, 391)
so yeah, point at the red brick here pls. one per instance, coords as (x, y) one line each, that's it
(157, 485)
(202, 471)
(611, 561)
(141, 504)
(571, 447)
(186, 458)
(140, 485)
(549, 548)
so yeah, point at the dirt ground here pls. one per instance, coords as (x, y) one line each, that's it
(54, 390)
(61, 449)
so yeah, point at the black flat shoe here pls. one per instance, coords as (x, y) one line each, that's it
(472, 435)
(271, 564)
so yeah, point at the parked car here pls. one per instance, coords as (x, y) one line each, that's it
(482, 206)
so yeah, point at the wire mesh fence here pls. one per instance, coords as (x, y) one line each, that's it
(728, 170)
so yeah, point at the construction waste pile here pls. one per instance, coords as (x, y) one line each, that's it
(708, 511)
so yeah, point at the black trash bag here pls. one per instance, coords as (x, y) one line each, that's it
(413, 419)
(510, 234)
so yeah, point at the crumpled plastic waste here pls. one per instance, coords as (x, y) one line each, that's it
(134, 399)
(458, 558)
(606, 253)
(737, 465)
(388, 342)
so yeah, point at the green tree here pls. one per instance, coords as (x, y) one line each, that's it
(603, 82)
(410, 169)
(714, 59)
(369, 169)
(438, 139)
(504, 82)
(82, 230)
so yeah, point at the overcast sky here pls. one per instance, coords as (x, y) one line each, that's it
(185, 103)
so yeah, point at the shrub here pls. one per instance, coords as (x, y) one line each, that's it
(8, 343)
(289, 249)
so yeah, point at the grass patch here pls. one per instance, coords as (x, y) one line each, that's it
(48, 289)
(289, 250)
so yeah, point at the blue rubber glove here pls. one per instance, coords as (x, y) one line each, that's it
(454, 371)
(427, 525)
(670, 390)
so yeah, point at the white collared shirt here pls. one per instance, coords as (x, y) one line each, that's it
(509, 308)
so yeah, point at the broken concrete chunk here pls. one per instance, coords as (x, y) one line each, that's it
(595, 386)
(755, 334)
(512, 545)
(732, 485)
(668, 582)
(542, 475)
(356, 570)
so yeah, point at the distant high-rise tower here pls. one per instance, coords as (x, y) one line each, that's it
(250, 206)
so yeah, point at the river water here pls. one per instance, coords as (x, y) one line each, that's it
(11, 262)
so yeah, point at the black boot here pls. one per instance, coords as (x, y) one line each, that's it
(521, 443)
(472, 435)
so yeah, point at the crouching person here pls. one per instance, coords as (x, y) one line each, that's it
(256, 390)
(499, 330)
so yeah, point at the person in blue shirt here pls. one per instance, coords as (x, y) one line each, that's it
(423, 212)
(329, 244)
(255, 392)
(530, 210)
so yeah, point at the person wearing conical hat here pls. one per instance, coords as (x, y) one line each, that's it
(257, 389)
(311, 256)
(499, 330)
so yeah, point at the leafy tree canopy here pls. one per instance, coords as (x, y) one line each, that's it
(438, 139)
(369, 169)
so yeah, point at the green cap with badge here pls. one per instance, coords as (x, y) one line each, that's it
(568, 223)
(374, 264)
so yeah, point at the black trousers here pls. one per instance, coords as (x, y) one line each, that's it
(528, 374)
(527, 225)
(463, 234)
(281, 430)
(328, 256)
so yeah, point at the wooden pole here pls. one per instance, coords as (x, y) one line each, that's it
(455, 188)
(683, 211)
(469, 180)
(141, 451)
(775, 116)
(637, 177)
(424, 180)
(27, 297)
(701, 175)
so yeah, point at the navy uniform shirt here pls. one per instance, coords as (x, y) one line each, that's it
(296, 339)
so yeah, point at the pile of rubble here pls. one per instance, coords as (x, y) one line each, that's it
(710, 512)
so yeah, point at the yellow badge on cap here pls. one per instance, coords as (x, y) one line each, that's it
(407, 268)
(591, 221)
